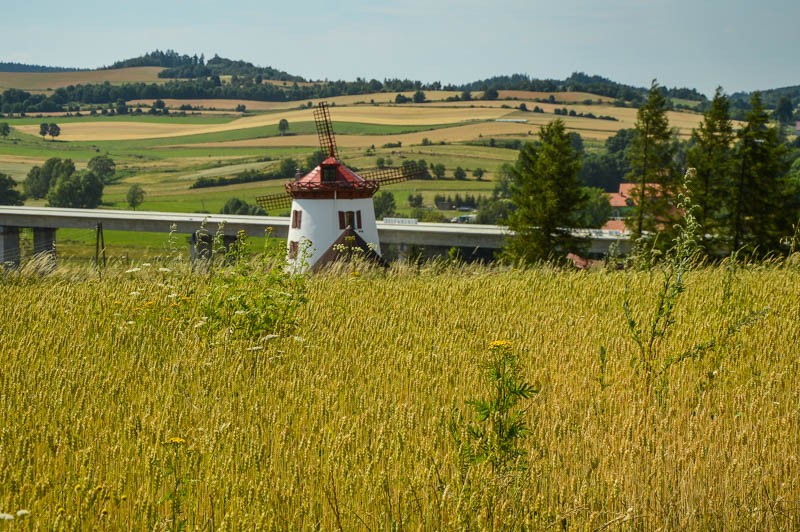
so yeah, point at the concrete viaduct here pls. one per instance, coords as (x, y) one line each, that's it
(45, 221)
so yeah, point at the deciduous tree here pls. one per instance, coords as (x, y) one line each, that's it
(53, 130)
(39, 180)
(5, 129)
(135, 196)
(384, 204)
(283, 126)
(8, 193)
(103, 166)
(79, 190)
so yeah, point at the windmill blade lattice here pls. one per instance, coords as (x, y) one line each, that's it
(389, 176)
(274, 202)
(327, 140)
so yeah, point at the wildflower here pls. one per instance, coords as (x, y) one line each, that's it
(6, 517)
(176, 440)
(117, 302)
(167, 318)
(148, 304)
(255, 348)
(500, 344)
(145, 264)
(135, 293)
(133, 270)
(23, 513)
(172, 296)
(185, 299)
(130, 322)
(164, 270)
(355, 274)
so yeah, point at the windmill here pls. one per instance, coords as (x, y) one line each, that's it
(332, 209)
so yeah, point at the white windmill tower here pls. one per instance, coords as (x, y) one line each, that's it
(332, 209)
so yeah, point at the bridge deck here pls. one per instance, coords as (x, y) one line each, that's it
(421, 234)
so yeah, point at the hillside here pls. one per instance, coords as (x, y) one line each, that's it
(46, 82)
(22, 67)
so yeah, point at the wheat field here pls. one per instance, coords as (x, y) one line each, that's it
(127, 402)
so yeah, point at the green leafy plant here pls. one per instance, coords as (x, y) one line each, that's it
(251, 297)
(498, 426)
(178, 488)
(649, 331)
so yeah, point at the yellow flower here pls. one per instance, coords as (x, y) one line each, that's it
(500, 344)
(177, 440)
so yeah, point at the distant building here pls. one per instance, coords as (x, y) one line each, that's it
(797, 126)
(623, 202)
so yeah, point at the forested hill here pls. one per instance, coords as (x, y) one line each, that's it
(194, 66)
(579, 82)
(21, 67)
(771, 97)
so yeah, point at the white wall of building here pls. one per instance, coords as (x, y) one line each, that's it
(319, 226)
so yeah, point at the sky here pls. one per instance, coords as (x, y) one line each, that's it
(741, 45)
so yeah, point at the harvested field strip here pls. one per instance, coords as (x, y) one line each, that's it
(42, 81)
(99, 131)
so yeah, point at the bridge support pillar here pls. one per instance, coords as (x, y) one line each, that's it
(9, 246)
(44, 245)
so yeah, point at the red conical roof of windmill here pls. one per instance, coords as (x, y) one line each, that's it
(332, 179)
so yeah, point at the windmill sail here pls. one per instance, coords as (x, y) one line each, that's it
(274, 202)
(327, 140)
(389, 176)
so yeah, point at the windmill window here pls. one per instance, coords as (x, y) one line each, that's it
(328, 174)
(297, 217)
(293, 249)
(350, 219)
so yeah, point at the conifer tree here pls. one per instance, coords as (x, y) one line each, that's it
(762, 206)
(548, 196)
(711, 155)
(650, 158)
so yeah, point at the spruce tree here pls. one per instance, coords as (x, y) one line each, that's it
(711, 154)
(547, 195)
(762, 206)
(650, 158)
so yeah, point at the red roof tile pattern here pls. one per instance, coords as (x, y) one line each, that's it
(332, 179)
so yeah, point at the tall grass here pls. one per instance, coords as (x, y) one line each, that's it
(120, 409)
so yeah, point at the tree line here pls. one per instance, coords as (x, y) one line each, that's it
(745, 194)
(58, 181)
